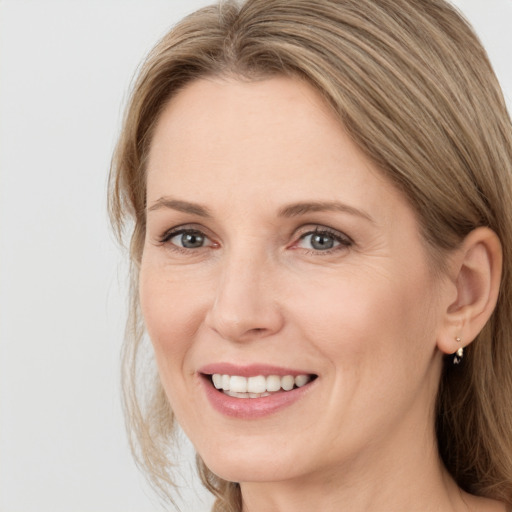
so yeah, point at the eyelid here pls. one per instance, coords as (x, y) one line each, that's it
(319, 228)
(171, 233)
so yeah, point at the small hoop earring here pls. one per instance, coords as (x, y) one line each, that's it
(458, 356)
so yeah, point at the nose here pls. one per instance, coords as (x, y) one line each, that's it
(245, 305)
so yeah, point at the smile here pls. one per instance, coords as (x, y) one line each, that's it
(249, 392)
(258, 386)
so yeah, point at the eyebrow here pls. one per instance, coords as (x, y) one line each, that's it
(297, 209)
(180, 206)
(290, 210)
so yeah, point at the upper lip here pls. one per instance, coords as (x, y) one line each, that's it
(250, 370)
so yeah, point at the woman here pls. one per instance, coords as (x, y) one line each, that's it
(321, 257)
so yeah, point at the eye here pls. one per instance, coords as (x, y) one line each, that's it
(323, 240)
(187, 239)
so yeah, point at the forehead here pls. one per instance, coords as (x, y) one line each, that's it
(228, 116)
(268, 140)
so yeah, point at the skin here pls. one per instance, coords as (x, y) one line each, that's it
(368, 317)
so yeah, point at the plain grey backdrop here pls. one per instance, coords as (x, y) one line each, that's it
(65, 69)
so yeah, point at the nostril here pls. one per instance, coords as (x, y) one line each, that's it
(240, 314)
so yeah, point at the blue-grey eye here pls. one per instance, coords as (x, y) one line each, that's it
(322, 241)
(189, 239)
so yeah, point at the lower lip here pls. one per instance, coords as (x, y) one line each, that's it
(252, 408)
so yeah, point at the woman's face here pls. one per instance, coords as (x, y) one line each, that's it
(278, 256)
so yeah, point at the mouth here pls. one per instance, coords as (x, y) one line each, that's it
(257, 386)
(254, 391)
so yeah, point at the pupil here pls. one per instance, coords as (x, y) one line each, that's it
(191, 240)
(322, 242)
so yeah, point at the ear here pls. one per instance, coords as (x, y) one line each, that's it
(475, 275)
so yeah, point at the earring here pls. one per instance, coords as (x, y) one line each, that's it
(459, 355)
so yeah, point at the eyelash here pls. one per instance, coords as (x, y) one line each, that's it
(342, 240)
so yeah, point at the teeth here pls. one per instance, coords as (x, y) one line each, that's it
(302, 380)
(236, 394)
(273, 383)
(257, 384)
(238, 384)
(287, 382)
(255, 387)
(217, 380)
(245, 395)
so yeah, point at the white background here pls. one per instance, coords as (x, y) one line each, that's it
(65, 68)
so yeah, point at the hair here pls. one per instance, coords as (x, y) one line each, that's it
(414, 89)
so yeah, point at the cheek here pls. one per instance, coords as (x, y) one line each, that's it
(377, 335)
(171, 313)
(368, 323)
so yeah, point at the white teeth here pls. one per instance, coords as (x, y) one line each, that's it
(236, 394)
(238, 384)
(217, 380)
(273, 383)
(257, 386)
(302, 380)
(245, 395)
(287, 382)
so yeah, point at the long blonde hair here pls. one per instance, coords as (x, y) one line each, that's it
(413, 87)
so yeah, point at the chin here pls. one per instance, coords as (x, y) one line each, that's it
(260, 464)
(249, 471)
